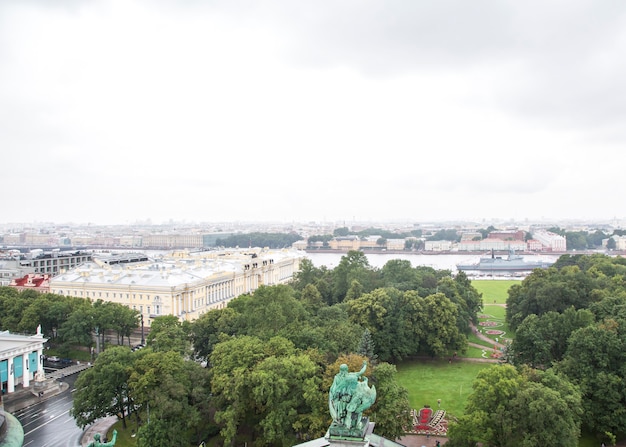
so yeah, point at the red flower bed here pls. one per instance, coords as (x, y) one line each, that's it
(489, 323)
(494, 332)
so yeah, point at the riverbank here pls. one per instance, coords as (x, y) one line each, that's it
(468, 253)
(438, 261)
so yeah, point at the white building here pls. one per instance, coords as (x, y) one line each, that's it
(502, 245)
(395, 244)
(11, 269)
(551, 241)
(21, 358)
(181, 284)
(620, 242)
(437, 245)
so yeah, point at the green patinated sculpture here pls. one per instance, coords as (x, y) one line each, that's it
(97, 443)
(349, 397)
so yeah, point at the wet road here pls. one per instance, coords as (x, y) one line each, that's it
(49, 424)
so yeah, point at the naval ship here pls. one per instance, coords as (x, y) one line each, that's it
(511, 263)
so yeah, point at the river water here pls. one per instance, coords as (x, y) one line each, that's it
(438, 262)
(378, 260)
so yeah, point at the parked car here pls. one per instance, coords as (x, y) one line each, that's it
(53, 358)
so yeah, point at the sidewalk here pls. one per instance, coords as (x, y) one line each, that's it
(410, 440)
(101, 426)
(25, 397)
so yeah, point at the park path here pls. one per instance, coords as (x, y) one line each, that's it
(484, 337)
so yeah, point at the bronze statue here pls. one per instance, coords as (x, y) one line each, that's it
(97, 443)
(349, 397)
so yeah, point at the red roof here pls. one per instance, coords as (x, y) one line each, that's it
(32, 281)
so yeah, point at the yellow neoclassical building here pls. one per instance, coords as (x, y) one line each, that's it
(182, 284)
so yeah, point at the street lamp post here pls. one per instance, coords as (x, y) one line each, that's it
(142, 339)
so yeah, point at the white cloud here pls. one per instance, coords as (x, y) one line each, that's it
(315, 110)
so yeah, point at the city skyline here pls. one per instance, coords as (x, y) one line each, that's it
(117, 112)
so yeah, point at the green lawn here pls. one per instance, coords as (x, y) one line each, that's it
(74, 354)
(429, 380)
(494, 290)
(474, 353)
(125, 437)
(496, 311)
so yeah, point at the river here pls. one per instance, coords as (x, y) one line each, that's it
(438, 262)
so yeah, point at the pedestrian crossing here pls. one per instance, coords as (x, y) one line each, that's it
(59, 373)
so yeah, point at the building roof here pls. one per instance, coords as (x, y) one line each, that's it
(32, 280)
(9, 342)
(169, 270)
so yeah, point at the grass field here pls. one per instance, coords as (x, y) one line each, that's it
(125, 437)
(429, 380)
(494, 291)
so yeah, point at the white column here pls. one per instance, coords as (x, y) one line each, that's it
(11, 378)
(40, 360)
(25, 371)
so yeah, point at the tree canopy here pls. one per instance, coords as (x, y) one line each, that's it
(572, 318)
(268, 353)
(511, 408)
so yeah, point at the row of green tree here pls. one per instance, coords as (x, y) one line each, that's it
(569, 354)
(570, 338)
(271, 356)
(583, 240)
(270, 240)
(412, 241)
(575, 240)
(372, 231)
(66, 321)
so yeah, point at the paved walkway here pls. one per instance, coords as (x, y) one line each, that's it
(25, 397)
(53, 385)
(421, 440)
(68, 370)
(484, 337)
(101, 426)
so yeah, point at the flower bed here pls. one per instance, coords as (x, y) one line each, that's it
(489, 323)
(494, 332)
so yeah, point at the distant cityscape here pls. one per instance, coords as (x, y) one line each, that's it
(51, 249)
(177, 235)
(30, 241)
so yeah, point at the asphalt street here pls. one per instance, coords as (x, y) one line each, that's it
(48, 423)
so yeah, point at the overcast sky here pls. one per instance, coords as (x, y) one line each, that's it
(117, 111)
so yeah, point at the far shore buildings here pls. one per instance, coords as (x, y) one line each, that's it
(492, 244)
(620, 242)
(552, 241)
(182, 284)
(542, 241)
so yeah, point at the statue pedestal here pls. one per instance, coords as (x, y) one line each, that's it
(12, 434)
(340, 436)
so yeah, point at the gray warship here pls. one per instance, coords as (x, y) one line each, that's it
(511, 263)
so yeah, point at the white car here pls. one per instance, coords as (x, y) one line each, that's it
(54, 358)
